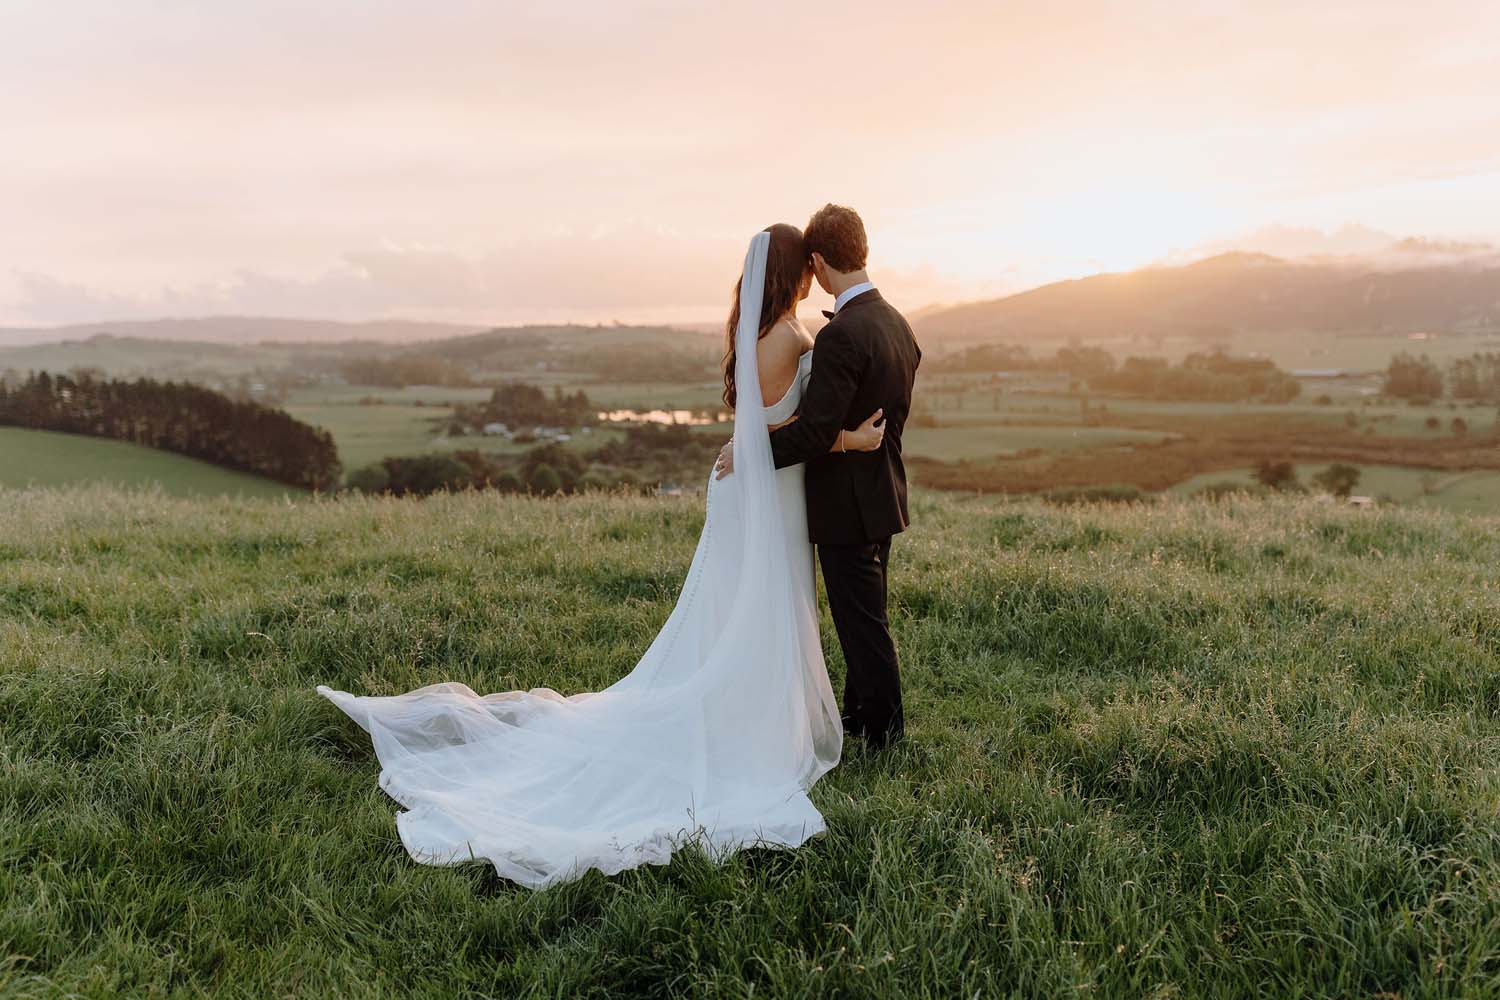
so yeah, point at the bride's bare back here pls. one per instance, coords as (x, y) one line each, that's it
(777, 358)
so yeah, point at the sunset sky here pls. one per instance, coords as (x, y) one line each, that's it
(506, 162)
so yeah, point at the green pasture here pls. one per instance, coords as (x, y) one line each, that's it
(366, 434)
(47, 458)
(1188, 749)
(1472, 492)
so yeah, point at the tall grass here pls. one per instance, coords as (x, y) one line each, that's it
(1182, 750)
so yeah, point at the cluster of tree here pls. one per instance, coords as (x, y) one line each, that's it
(518, 405)
(1476, 377)
(642, 458)
(1458, 425)
(178, 417)
(1409, 377)
(626, 363)
(546, 470)
(1281, 476)
(661, 453)
(1211, 377)
(396, 373)
(986, 358)
(1080, 362)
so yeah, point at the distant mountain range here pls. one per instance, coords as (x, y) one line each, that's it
(242, 331)
(1351, 243)
(1246, 292)
(1356, 280)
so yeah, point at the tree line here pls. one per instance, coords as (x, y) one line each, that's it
(1204, 377)
(1476, 377)
(519, 405)
(177, 417)
(640, 458)
(1212, 377)
(1080, 362)
(397, 373)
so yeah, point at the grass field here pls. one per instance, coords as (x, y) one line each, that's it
(398, 426)
(1179, 750)
(1465, 492)
(46, 458)
(366, 434)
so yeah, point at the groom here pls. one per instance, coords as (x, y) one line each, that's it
(866, 358)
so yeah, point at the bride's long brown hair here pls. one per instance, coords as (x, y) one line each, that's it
(786, 269)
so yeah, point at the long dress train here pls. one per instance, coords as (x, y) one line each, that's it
(714, 738)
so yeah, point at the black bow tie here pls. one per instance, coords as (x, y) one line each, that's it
(827, 314)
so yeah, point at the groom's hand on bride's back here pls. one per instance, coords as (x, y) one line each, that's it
(724, 464)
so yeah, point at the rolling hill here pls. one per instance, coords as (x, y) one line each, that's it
(1236, 293)
(138, 351)
(47, 458)
(241, 330)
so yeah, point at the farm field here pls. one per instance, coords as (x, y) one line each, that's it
(703, 395)
(1186, 749)
(366, 434)
(351, 395)
(1022, 431)
(46, 458)
(954, 398)
(955, 443)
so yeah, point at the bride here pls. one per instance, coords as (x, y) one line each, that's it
(723, 726)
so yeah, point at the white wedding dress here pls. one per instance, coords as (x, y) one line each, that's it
(714, 738)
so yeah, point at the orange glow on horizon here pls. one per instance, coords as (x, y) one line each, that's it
(607, 161)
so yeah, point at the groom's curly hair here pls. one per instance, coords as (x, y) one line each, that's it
(838, 234)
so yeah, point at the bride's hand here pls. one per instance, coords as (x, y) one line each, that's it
(868, 436)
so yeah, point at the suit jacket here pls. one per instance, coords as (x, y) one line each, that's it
(866, 360)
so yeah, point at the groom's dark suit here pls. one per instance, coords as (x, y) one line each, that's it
(866, 358)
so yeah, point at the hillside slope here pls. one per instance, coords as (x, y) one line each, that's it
(46, 458)
(240, 330)
(1180, 750)
(1230, 293)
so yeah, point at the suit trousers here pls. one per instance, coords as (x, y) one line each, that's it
(855, 576)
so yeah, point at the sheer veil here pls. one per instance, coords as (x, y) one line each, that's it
(713, 738)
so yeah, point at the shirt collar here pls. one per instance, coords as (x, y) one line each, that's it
(850, 292)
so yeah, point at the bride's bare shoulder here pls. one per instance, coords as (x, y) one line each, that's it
(776, 357)
(802, 332)
(782, 345)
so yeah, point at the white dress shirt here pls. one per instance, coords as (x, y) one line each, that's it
(850, 292)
